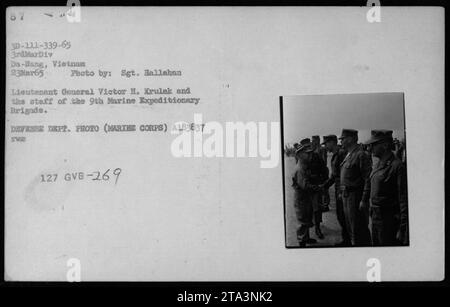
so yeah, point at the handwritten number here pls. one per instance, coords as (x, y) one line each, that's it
(117, 172)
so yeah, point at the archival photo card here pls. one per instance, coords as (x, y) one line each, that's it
(148, 144)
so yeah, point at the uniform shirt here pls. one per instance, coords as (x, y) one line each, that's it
(388, 185)
(318, 168)
(355, 171)
(388, 189)
(302, 181)
(322, 152)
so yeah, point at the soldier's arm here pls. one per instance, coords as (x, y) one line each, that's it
(330, 181)
(366, 168)
(337, 171)
(325, 170)
(403, 202)
(334, 179)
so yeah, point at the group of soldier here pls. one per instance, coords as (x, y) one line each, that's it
(364, 191)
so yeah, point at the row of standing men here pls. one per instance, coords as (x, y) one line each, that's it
(364, 191)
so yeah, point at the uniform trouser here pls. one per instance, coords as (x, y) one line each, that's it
(384, 226)
(303, 233)
(357, 220)
(341, 219)
(326, 198)
(317, 208)
(304, 213)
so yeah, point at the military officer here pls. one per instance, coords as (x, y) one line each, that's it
(324, 200)
(319, 174)
(388, 193)
(331, 144)
(304, 191)
(355, 171)
(322, 152)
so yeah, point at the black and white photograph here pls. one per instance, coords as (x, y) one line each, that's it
(345, 170)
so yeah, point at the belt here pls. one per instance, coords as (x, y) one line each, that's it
(351, 189)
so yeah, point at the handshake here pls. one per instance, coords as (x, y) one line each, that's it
(319, 188)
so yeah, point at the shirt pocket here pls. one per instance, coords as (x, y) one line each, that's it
(350, 165)
(388, 174)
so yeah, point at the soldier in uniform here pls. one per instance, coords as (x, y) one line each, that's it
(319, 174)
(355, 171)
(296, 147)
(304, 191)
(331, 144)
(388, 193)
(321, 152)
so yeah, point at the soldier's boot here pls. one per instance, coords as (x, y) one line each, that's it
(343, 244)
(326, 202)
(311, 241)
(319, 233)
(345, 238)
(306, 239)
